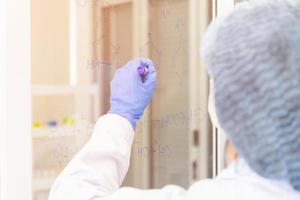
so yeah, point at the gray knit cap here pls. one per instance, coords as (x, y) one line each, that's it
(253, 57)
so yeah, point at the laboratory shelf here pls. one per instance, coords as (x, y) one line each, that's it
(60, 131)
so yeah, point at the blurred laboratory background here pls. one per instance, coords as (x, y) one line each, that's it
(76, 46)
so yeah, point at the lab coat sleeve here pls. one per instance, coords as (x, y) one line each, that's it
(98, 170)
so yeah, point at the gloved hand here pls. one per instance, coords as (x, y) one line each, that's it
(130, 92)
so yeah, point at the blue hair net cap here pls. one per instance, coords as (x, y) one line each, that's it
(253, 56)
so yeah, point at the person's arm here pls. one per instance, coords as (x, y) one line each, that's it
(98, 170)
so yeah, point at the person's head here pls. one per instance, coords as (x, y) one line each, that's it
(253, 58)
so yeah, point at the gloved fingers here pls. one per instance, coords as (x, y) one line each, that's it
(125, 70)
(116, 75)
(132, 66)
(147, 61)
(150, 78)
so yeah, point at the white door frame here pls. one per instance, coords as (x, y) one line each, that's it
(220, 8)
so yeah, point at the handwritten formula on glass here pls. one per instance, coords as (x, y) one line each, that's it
(161, 150)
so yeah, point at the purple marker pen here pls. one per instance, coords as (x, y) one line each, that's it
(143, 69)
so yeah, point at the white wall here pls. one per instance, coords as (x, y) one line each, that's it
(2, 93)
(16, 129)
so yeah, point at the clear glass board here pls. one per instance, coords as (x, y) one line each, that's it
(98, 37)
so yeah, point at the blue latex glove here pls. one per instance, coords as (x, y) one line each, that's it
(130, 92)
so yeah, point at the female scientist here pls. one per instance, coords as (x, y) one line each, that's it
(253, 58)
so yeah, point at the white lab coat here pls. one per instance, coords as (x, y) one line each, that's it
(98, 170)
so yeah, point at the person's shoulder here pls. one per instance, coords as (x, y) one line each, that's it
(212, 189)
(225, 186)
